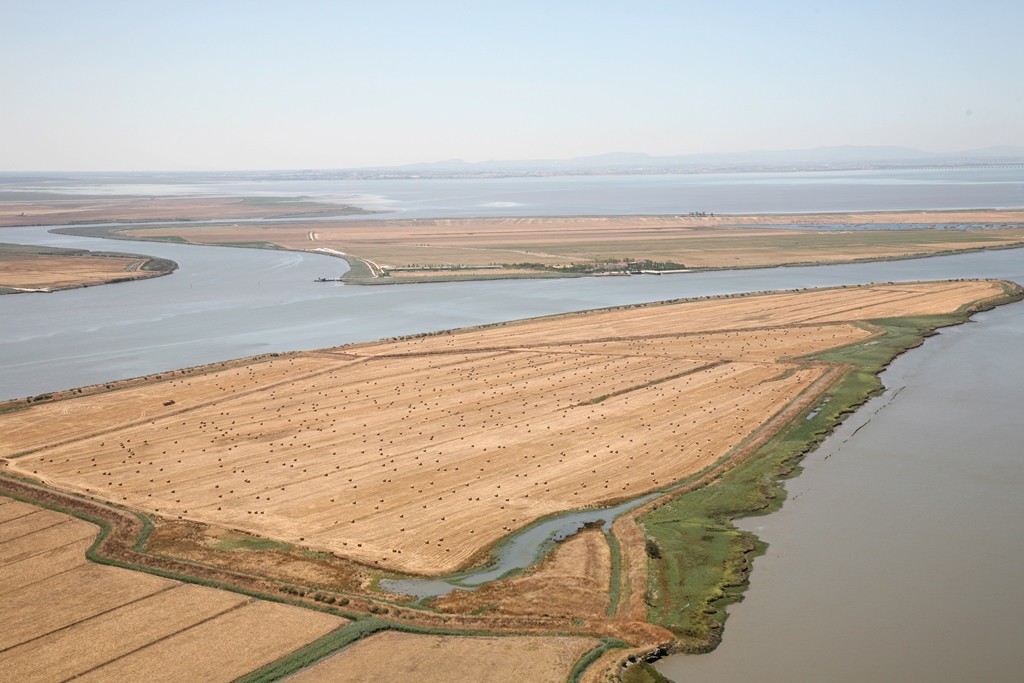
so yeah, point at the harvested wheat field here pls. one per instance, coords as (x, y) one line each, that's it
(418, 455)
(51, 271)
(66, 617)
(426, 658)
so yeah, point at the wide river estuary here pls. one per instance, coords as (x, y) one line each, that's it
(896, 556)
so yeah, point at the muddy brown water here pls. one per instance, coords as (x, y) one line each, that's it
(898, 555)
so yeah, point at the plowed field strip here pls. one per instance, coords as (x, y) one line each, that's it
(114, 661)
(43, 564)
(440, 659)
(80, 594)
(59, 534)
(12, 509)
(86, 645)
(29, 524)
(78, 618)
(52, 574)
(220, 649)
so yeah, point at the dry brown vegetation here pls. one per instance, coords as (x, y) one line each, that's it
(699, 242)
(426, 658)
(417, 455)
(65, 617)
(58, 271)
(571, 583)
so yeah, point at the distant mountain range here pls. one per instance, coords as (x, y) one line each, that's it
(818, 158)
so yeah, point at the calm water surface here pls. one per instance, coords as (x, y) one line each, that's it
(794, 192)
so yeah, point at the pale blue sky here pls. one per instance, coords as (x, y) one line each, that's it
(207, 85)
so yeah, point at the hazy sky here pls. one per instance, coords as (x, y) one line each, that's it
(203, 85)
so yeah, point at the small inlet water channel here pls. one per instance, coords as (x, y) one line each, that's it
(518, 551)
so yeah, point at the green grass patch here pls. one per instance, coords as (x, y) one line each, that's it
(6, 248)
(642, 672)
(412, 280)
(592, 656)
(157, 238)
(614, 590)
(235, 541)
(248, 245)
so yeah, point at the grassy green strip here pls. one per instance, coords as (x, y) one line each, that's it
(592, 656)
(7, 248)
(642, 672)
(614, 592)
(250, 245)
(139, 545)
(252, 543)
(159, 265)
(174, 239)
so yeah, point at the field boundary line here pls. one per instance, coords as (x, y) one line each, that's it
(12, 458)
(91, 616)
(654, 382)
(29, 533)
(11, 519)
(545, 347)
(162, 638)
(51, 548)
(83, 563)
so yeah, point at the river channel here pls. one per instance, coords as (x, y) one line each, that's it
(898, 554)
(895, 557)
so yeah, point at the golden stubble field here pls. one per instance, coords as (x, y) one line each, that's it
(51, 271)
(694, 241)
(65, 617)
(439, 659)
(417, 455)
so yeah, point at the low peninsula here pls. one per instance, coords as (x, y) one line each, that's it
(308, 478)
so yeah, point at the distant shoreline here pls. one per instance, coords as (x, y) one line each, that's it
(416, 251)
